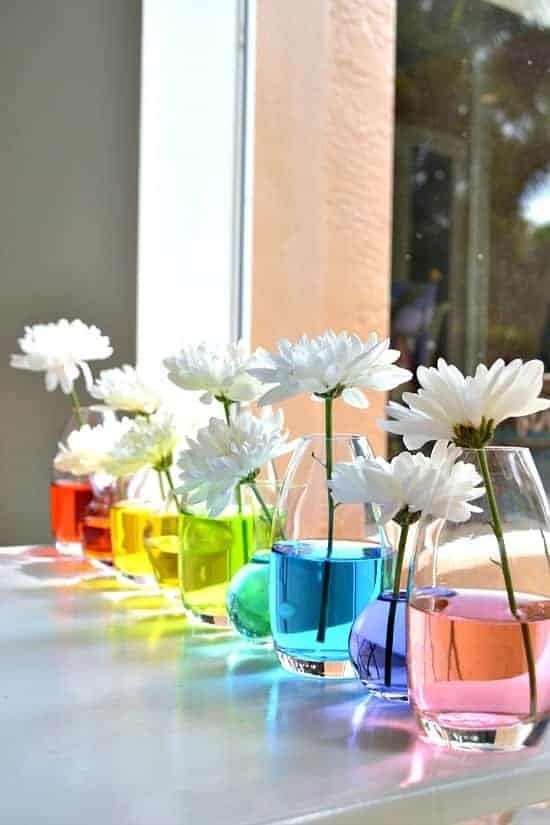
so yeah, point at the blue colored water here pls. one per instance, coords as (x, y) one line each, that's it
(296, 580)
(367, 647)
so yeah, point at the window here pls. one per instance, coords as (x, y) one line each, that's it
(471, 253)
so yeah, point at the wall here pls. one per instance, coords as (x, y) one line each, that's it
(69, 87)
(323, 172)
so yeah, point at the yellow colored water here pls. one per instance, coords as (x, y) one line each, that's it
(132, 524)
(163, 555)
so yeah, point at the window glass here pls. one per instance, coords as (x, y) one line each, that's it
(471, 251)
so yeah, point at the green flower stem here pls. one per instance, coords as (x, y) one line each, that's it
(238, 495)
(227, 410)
(499, 535)
(161, 484)
(394, 600)
(77, 408)
(323, 613)
(170, 481)
(259, 498)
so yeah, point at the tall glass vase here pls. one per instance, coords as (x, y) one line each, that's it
(326, 562)
(71, 495)
(479, 613)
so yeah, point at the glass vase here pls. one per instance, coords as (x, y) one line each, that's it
(479, 613)
(71, 495)
(162, 539)
(212, 551)
(378, 638)
(96, 531)
(248, 594)
(323, 571)
(146, 513)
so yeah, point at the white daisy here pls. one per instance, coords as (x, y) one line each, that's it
(225, 455)
(148, 442)
(127, 389)
(61, 350)
(329, 366)
(88, 450)
(217, 372)
(410, 485)
(466, 409)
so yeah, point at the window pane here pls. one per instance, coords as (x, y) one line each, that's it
(471, 258)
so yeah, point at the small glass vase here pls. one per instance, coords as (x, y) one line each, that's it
(212, 551)
(248, 594)
(96, 531)
(378, 640)
(71, 495)
(147, 512)
(479, 613)
(318, 587)
(162, 538)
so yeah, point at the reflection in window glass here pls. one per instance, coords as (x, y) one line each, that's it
(471, 251)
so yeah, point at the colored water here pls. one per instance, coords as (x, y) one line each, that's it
(367, 647)
(248, 599)
(297, 569)
(163, 555)
(131, 524)
(212, 551)
(68, 502)
(467, 664)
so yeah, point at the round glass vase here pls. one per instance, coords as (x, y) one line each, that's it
(326, 562)
(70, 495)
(378, 638)
(247, 600)
(479, 613)
(96, 530)
(148, 512)
(212, 551)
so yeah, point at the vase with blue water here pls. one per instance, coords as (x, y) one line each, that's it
(327, 560)
(378, 638)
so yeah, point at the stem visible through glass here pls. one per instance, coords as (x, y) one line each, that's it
(394, 600)
(499, 535)
(238, 496)
(77, 408)
(323, 613)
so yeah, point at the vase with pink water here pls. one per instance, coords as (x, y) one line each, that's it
(479, 613)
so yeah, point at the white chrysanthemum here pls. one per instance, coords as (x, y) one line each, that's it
(148, 442)
(88, 450)
(126, 389)
(225, 455)
(466, 409)
(217, 372)
(329, 365)
(61, 350)
(439, 485)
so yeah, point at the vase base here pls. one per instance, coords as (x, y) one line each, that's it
(69, 548)
(316, 669)
(391, 693)
(479, 731)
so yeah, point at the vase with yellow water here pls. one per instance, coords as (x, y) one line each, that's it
(213, 550)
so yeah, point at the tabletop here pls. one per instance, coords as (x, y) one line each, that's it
(116, 709)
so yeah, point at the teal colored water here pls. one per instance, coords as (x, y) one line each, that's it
(296, 580)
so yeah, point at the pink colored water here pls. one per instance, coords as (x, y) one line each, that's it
(466, 656)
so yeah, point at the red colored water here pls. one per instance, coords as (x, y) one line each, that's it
(68, 502)
(466, 655)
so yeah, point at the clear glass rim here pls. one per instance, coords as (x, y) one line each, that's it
(497, 448)
(335, 437)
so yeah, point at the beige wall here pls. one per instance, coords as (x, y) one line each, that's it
(69, 88)
(323, 174)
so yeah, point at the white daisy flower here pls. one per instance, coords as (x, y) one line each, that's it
(411, 485)
(148, 442)
(127, 389)
(329, 366)
(218, 372)
(61, 350)
(466, 409)
(88, 450)
(225, 455)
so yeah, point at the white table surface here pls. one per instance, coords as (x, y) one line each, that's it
(115, 710)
